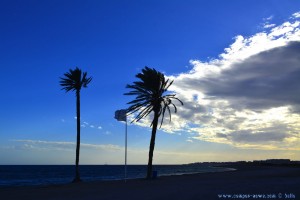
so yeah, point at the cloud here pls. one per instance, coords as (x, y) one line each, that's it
(265, 80)
(296, 15)
(66, 146)
(267, 25)
(268, 18)
(86, 124)
(248, 97)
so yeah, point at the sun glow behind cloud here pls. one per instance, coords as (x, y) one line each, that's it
(248, 97)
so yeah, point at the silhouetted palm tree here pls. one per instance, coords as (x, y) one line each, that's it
(150, 92)
(74, 80)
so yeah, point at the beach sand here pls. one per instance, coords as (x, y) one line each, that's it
(272, 181)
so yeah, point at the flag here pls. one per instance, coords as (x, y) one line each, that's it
(120, 115)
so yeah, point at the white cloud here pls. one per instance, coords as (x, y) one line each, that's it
(86, 124)
(66, 146)
(248, 97)
(296, 15)
(106, 147)
(268, 18)
(267, 25)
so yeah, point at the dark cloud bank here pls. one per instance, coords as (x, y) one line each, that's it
(265, 80)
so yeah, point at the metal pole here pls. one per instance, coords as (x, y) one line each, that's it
(126, 150)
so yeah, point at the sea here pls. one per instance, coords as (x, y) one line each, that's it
(35, 175)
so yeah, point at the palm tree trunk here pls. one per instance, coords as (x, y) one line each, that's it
(77, 175)
(152, 144)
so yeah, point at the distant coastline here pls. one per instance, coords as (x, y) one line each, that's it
(267, 162)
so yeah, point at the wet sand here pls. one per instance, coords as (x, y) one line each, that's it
(272, 181)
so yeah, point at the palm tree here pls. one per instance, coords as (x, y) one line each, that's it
(74, 80)
(150, 96)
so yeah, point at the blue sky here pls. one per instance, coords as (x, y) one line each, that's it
(234, 64)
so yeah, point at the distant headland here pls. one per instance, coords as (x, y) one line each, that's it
(285, 162)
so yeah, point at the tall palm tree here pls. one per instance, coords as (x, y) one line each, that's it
(74, 80)
(150, 97)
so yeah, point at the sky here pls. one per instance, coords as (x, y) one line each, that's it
(235, 65)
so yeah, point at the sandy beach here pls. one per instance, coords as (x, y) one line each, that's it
(247, 182)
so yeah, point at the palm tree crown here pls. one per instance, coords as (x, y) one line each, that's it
(150, 95)
(74, 80)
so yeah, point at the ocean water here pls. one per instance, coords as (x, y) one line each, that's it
(25, 175)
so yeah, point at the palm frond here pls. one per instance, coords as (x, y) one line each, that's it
(166, 106)
(144, 113)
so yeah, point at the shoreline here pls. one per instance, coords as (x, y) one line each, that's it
(246, 180)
